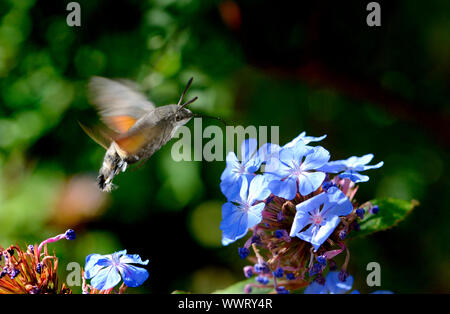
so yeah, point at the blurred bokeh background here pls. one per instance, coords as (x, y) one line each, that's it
(313, 66)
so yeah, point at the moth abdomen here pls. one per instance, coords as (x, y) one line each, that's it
(112, 165)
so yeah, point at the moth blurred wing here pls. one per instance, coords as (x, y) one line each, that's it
(99, 135)
(117, 99)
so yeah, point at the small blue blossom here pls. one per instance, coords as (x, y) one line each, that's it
(332, 285)
(315, 269)
(282, 290)
(248, 289)
(279, 272)
(39, 267)
(236, 171)
(360, 212)
(70, 234)
(351, 167)
(261, 268)
(322, 213)
(14, 273)
(322, 260)
(243, 252)
(375, 209)
(280, 233)
(262, 280)
(248, 271)
(296, 170)
(342, 234)
(243, 213)
(290, 276)
(105, 271)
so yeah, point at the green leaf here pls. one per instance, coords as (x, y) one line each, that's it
(391, 212)
(238, 288)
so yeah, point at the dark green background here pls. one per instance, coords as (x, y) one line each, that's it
(314, 67)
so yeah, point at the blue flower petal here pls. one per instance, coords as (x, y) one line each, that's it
(248, 148)
(268, 151)
(91, 268)
(255, 215)
(106, 278)
(333, 167)
(234, 222)
(378, 165)
(318, 157)
(319, 237)
(276, 168)
(315, 288)
(308, 182)
(258, 190)
(354, 176)
(294, 155)
(132, 259)
(133, 276)
(304, 139)
(338, 203)
(335, 286)
(357, 161)
(286, 189)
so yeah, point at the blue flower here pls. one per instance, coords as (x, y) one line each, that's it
(242, 213)
(235, 171)
(322, 213)
(270, 150)
(295, 170)
(315, 288)
(332, 285)
(351, 167)
(335, 285)
(105, 271)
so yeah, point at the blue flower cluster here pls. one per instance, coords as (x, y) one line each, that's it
(293, 170)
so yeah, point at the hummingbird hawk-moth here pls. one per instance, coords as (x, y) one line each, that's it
(136, 128)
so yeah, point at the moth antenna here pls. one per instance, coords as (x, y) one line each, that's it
(189, 83)
(211, 117)
(188, 102)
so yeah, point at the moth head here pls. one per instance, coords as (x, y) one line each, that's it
(183, 115)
